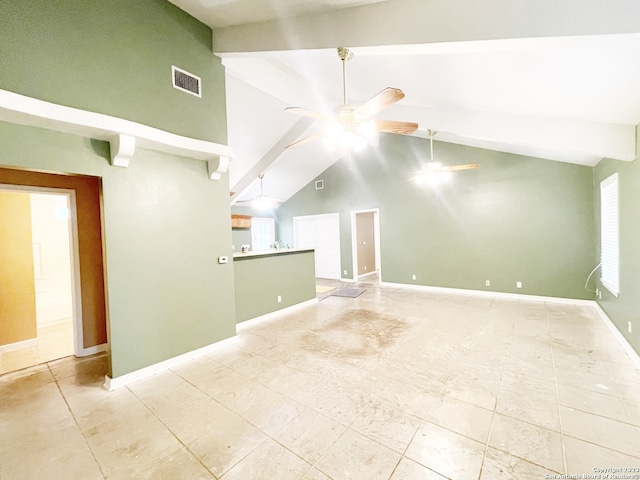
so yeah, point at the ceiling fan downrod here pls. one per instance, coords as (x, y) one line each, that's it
(431, 133)
(345, 55)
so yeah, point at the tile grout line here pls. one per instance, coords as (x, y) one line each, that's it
(312, 465)
(161, 459)
(422, 420)
(495, 405)
(75, 420)
(239, 415)
(555, 379)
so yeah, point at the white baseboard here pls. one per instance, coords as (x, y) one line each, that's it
(256, 320)
(32, 342)
(486, 293)
(635, 358)
(123, 380)
(85, 352)
(119, 382)
(633, 355)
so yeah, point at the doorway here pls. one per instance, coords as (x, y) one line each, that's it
(43, 322)
(263, 234)
(365, 228)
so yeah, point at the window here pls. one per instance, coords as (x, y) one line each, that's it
(609, 234)
(262, 233)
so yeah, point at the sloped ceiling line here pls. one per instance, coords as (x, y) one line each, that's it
(271, 157)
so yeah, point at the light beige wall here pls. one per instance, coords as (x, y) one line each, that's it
(17, 289)
(52, 257)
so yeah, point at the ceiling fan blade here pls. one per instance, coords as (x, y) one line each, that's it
(310, 138)
(392, 126)
(382, 100)
(460, 167)
(273, 201)
(307, 113)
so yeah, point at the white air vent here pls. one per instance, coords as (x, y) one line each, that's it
(185, 81)
(319, 184)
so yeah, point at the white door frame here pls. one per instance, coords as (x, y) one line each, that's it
(354, 242)
(76, 298)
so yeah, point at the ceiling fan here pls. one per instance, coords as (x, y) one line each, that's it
(262, 201)
(352, 127)
(433, 172)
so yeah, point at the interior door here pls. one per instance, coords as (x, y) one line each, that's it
(366, 243)
(322, 233)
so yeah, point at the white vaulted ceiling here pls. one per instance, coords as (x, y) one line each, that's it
(560, 82)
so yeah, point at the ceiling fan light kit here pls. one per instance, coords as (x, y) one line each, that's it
(353, 128)
(433, 173)
(340, 132)
(262, 201)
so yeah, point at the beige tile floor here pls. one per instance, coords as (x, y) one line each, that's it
(55, 340)
(395, 384)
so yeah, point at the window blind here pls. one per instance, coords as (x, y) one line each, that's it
(609, 234)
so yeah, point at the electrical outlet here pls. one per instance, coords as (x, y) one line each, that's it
(345, 272)
(487, 283)
(518, 284)
(413, 277)
(279, 298)
(599, 294)
(629, 327)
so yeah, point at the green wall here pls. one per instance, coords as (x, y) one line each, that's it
(165, 222)
(626, 307)
(114, 57)
(514, 219)
(260, 279)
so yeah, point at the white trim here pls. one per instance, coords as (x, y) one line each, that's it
(485, 293)
(23, 110)
(268, 316)
(76, 291)
(633, 355)
(612, 288)
(124, 380)
(122, 149)
(85, 352)
(9, 347)
(368, 274)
